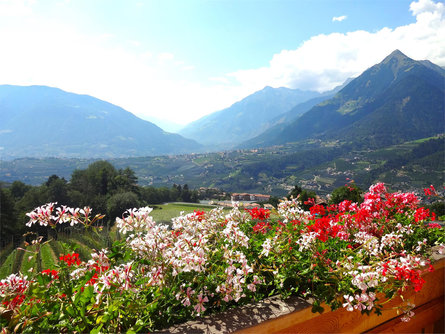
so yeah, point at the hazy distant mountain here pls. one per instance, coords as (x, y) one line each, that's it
(396, 100)
(165, 125)
(39, 121)
(246, 118)
(280, 122)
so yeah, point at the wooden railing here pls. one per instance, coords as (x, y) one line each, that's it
(294, 315)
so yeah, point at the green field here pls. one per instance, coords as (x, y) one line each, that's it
(165, 212)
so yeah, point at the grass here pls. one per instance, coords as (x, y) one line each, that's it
(5, 252)
(48, 257)
(6, 267)
(28, 262)
(80, 248)
(165, 212)
(16, 265)
(89, 241)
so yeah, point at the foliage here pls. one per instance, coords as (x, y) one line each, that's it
(438, 205)
(8, 219)
(350, 192)
(305, 197)
(438, 208)
(345, 255)
(273, 200)
(295, 192)
(100, 185)
(119, 203)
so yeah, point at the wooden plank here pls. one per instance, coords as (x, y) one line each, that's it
(423, 321)
(282, 323)
(343, 321)
(294, 315)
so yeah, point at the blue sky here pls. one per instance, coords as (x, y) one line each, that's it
(180, 60)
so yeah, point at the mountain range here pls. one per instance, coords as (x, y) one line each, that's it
(40, 121)
(397, 100)
(394, 101)
(247, 118)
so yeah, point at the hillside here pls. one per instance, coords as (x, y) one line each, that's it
(279, 123)
(246, 118)
(317, 165)
(39, 121)
(396, 100)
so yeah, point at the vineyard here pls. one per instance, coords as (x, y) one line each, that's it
(84, 241)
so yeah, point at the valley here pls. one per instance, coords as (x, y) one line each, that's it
(316, 165)
(386, 125)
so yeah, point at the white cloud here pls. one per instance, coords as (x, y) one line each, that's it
(339, 18)
(165, 56)
(134, 43)
(16, 8)
(141, 81)
(426, 6)
(188, 68)
(325, 61)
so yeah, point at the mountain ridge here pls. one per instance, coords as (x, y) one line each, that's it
(46, 121)
(246, 118)
(390, 90)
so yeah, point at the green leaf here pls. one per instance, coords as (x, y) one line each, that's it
(96, 330)
(317, 308)
(70, 311)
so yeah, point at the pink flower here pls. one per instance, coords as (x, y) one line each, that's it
(199, 307)
(186, 300)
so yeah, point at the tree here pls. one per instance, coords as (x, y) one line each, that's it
(273, 200)
(97, 179)
(121, 202)
(347, 192)
(8, 218)
(57, 190)
(150, 195)
(302, 195)
(126, 180)
(96, 184)
(294, 193)
(18, 189)
(175, 193)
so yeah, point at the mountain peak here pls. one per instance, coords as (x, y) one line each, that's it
(397, 54)
(397, 57)
(395, 100)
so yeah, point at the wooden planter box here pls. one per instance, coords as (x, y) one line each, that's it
(295, 316)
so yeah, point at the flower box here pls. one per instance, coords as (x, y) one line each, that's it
(294, 315)
(347, 257)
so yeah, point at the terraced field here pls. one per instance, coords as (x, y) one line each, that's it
(28, 258)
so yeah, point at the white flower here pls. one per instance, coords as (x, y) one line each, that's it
(348, 305)
(266, 247)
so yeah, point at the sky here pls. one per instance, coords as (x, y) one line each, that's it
(176, 61)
